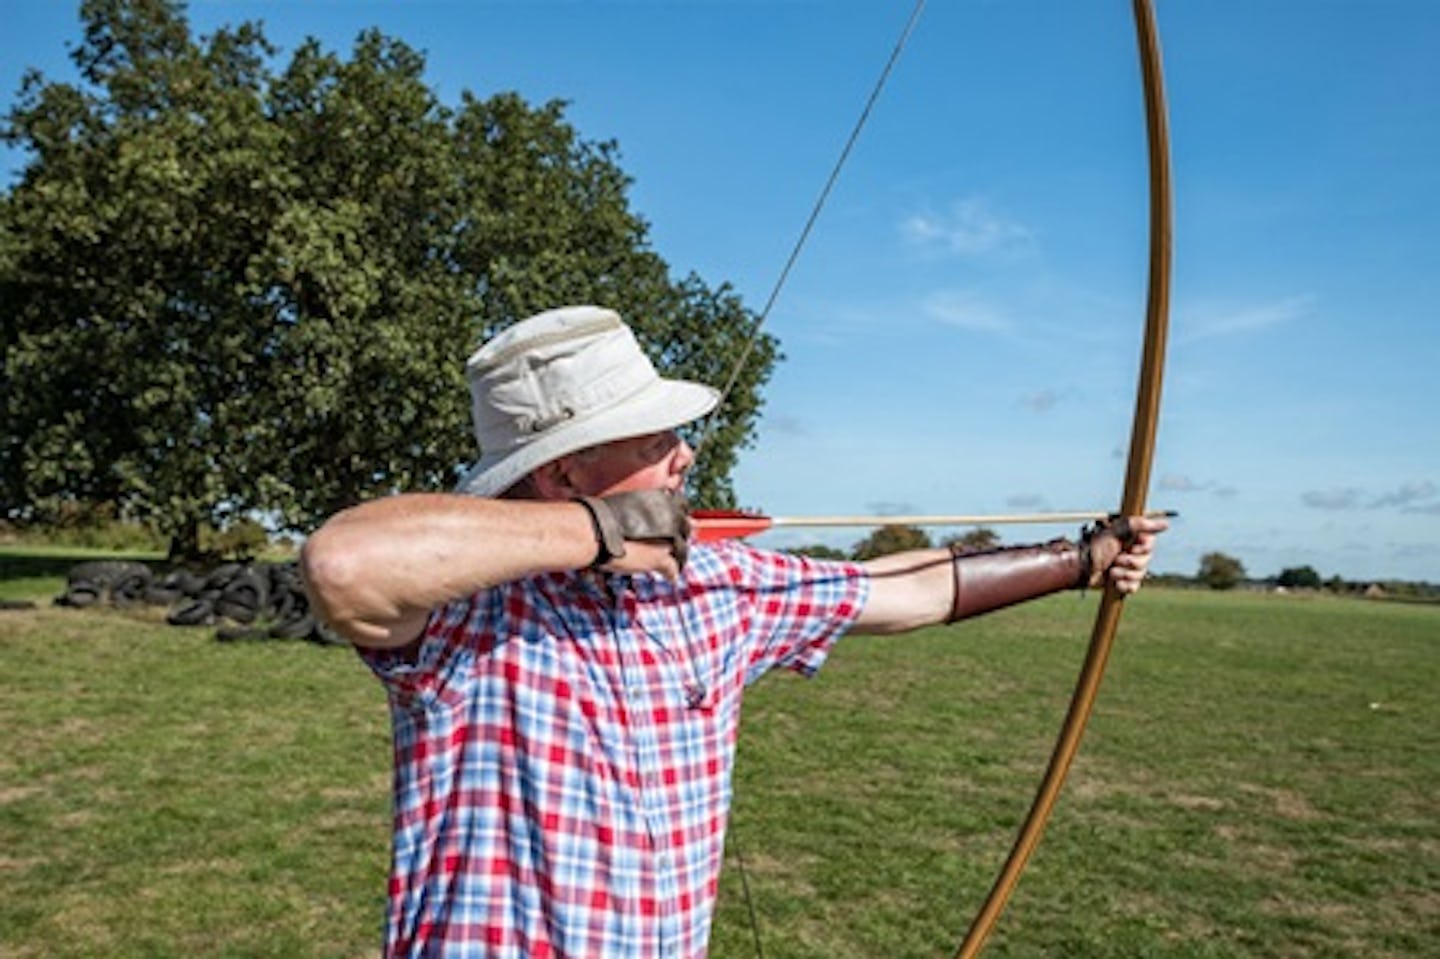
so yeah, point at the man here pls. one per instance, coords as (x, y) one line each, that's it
(565, 674)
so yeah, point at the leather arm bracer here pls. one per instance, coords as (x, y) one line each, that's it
(996, 578)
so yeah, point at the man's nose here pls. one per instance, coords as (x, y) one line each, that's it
(684, 455)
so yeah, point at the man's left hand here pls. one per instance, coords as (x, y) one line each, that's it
(1124, 562)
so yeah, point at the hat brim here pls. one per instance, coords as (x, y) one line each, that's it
(663, 405)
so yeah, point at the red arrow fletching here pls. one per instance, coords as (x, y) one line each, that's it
(714, 525)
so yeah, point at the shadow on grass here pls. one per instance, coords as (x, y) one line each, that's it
(56, 563)
(39, 573)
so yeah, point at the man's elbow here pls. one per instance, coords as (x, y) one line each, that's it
(335, 582)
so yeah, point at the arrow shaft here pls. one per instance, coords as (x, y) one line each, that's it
(957, 519)
(748, 524)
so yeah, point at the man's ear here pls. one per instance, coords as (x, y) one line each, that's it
(554, 479)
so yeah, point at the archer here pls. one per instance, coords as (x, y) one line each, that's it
(565, 669)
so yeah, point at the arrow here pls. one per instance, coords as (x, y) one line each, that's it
(713, 525)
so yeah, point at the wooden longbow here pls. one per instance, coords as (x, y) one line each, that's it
(1137, 470)
(1137, 482)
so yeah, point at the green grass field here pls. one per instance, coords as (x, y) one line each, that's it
(1261, 778)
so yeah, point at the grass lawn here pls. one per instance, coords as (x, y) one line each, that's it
(1261, 778)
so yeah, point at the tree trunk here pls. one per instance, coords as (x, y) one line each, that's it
(185, 541)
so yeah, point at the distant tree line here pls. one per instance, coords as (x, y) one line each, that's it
(898, 538)
(1220, 571)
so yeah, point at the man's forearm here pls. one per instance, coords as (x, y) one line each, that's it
(907, 591)
(923, 587)
(927, 587)
(375, 571)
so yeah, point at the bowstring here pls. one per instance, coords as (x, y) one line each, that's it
(709, 426)
(809, 226)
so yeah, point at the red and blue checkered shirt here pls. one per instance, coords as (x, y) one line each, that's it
(564, 745)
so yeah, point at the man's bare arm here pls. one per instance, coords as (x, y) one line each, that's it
(907, 591)
(917, 588)
(375, 571)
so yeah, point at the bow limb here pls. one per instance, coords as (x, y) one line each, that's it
(1137, 482)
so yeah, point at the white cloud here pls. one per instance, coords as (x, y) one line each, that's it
(971, 228)
(1041, 401)
(1409, 497)
(1418, 497)
(1180, 483)
(784, 424)
(967, 312)
(1177, 483)
(1334, 499)
(1201, 323)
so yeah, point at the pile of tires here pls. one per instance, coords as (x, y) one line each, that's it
(113, 581)
(261, 601)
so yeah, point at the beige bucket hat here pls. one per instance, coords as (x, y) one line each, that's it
(562, 381)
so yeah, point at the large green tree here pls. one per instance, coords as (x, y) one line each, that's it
(230, 286)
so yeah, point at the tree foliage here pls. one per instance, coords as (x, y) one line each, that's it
(230, 288)
(1299, 577)
(819, 551)
(1219, 571)
(891, 539)
(977, 540)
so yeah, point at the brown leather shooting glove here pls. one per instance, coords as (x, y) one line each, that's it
(653, 514)
(996, 578)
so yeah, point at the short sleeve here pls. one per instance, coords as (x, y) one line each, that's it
(796, 607)
(435, 668)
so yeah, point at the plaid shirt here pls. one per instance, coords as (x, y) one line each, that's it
(564, 745)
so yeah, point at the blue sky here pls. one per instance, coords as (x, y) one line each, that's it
(963, 329)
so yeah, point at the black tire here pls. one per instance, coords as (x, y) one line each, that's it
(297, 628)
(238, 612)
(162, 595)
(221, 575)
(105, 573)
(287, 574)
(129, 590)
(79, 595)
(248, 588)
(196, 612)
(187, 581)
(285, 604)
